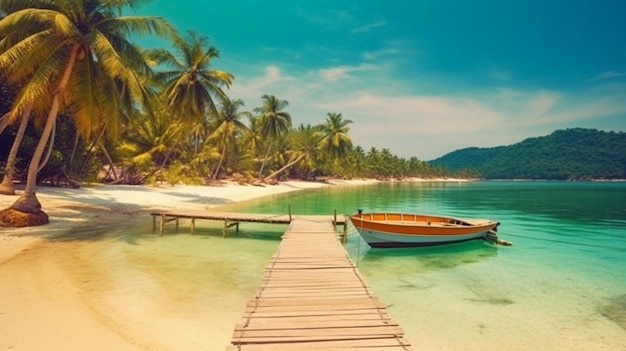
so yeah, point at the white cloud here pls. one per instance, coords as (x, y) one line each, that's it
(608, 75)
(385, 115)
(327, 19)
(252, 88)
(415, 115)
(368, 27)
(335, 73)
(372, 55)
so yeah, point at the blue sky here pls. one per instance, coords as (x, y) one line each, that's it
(423, 77)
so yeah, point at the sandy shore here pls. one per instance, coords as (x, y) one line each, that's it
(95, 205)
(41, 307)
(44, 307)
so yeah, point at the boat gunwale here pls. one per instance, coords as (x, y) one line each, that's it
(386, 226)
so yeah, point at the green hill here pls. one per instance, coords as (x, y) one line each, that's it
(565, 154)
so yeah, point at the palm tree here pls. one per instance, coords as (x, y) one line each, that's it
(332, 138)
(228, 126)
(374, 163)
(6, 187)
(150, 140)
(190, 85)
(73, 56)
(357, 162)
(337, 143)
(337, 146)
(274, 122)
(8, 95)
(387, 164)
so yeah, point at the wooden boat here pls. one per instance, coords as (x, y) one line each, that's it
(387, 229)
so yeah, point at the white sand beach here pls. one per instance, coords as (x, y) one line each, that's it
(43, 308)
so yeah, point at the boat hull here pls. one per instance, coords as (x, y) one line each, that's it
(387, 230)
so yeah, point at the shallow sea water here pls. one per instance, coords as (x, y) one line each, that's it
(561, 286)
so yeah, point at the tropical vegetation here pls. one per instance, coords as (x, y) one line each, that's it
(570, 154)
(82, 102)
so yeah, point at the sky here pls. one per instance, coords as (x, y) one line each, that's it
(422, 78)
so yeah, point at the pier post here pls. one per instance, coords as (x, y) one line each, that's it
(289, 208)
(193, 226)
(335, 219)
(162, 224)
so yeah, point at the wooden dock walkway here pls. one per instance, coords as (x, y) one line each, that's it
(231, 218)
(312, 297)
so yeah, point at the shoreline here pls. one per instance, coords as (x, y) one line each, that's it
(38, 291)
(95, 205)
(40, 295)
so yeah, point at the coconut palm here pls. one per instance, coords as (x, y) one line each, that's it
(332, 137)
(356, 162)
(228, 126)
(149, 144)
(275, 122)
(6, 187)
(73, 56)
(8, 93)
(337, 143)
(191, 86)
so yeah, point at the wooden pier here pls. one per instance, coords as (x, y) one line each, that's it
(231, 219)
(312, 297)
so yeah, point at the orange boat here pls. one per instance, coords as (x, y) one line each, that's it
(387, 229)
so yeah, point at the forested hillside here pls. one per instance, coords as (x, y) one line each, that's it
(565, 154)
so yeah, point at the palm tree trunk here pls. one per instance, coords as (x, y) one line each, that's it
(28, 202)
(4, 121)
(7, 188)
(109, 160)
(217, 169)
(267, 153)
(298, 159)
(288, 165)
(90, 152)
(46, 158)
(219, 165)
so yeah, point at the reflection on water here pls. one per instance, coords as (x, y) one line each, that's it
(423, 259)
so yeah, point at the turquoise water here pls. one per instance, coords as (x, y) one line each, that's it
(561, 286)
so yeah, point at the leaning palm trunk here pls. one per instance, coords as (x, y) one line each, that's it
(46, 158)
(90, 152)
(267, 154)
(290, 164)
(7, 188)
(107, 155)
(28, 202)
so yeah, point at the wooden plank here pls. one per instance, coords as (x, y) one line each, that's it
(304, 318)
(340, 345)
(313, 297)
(312, 323)
(283, 336)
